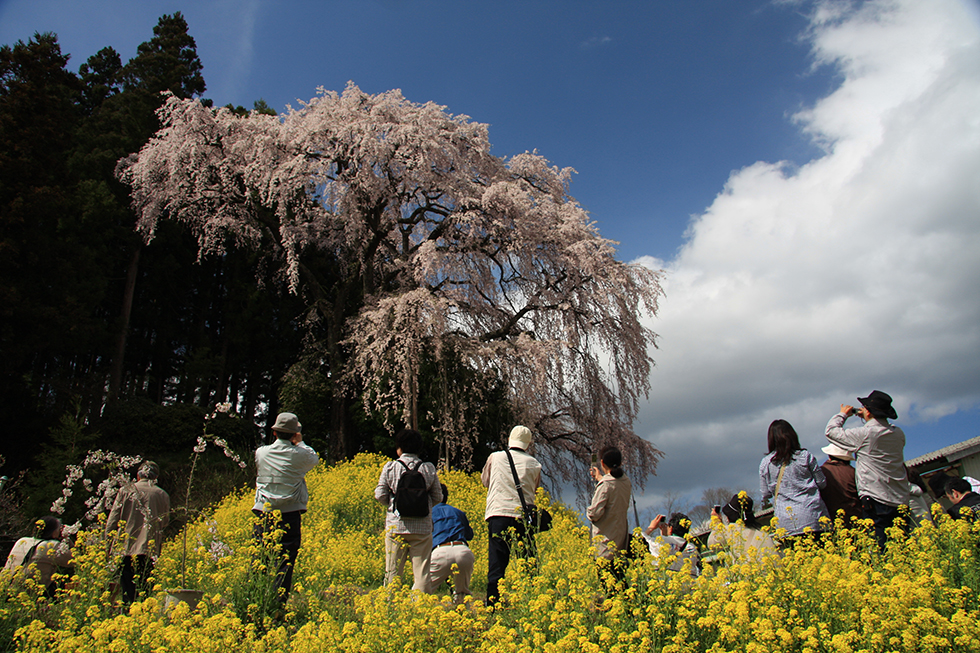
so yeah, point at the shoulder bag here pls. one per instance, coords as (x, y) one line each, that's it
(536, 520)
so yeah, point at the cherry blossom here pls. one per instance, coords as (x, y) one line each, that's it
(476, 262)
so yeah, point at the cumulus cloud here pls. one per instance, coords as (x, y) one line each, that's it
(799, 289)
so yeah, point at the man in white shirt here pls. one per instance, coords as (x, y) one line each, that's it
(280, 486)
(879, 449)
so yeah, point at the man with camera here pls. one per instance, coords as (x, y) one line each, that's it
(879, 448)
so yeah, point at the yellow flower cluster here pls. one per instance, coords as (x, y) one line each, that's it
(835, 594)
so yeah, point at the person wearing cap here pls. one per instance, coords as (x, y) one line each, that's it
(504, 510)
(879, 449)
(840, 493)
(281, 495)
(134, 530)
(451, 556)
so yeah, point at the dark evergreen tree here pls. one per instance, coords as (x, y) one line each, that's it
(47, 280)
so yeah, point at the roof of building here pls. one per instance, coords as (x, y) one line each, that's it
(951, 453)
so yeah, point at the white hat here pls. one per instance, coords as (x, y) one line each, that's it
(835, 451)
(520, 437)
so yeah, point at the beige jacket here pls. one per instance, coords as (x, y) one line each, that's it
(608, 513)
(49, 556)
(497, 477)
(145, 509)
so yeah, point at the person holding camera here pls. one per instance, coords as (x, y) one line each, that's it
(735, 528)
(879, 448)
(610, 504)
(281, 496)
(667, 537)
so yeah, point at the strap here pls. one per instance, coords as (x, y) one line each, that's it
(517, 481)
(405, 465)
(636, 515)
(779, 481)
(30, 554)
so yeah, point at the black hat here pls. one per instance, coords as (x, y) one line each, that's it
(739, 507)
(879, 404)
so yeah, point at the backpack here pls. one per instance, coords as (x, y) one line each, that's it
(412, 493)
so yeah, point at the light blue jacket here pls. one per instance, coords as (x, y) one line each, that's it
(281, 478)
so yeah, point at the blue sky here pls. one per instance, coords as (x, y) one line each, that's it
(805, 172)
(653, 103)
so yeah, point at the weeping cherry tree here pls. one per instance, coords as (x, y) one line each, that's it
(440, 253)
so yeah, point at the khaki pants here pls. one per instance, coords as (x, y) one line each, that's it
(441, 568)
(399, 546)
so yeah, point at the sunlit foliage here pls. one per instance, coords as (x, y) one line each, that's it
(839, 594)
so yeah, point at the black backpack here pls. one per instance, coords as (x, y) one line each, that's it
(412, 493)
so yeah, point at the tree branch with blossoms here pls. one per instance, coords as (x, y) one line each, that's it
(202, 444)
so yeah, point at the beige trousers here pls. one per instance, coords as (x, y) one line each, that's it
(398, 547)
(441, 568)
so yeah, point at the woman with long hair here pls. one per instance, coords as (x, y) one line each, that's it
(791, 477)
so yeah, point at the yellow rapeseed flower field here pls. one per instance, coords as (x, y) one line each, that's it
(837, 594)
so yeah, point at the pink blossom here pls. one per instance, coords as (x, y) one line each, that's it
(465, 260)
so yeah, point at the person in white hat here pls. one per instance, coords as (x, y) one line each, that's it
(504, 504)
(280, 485)
(840, 493)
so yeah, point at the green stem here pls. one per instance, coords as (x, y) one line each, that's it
(187, 512)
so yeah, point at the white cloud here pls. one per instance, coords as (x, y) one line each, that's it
(231, 27)
(595, 42)
(798, 289)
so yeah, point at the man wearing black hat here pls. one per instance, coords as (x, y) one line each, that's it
(879, 448)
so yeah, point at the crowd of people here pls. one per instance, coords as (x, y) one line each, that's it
(422, 527)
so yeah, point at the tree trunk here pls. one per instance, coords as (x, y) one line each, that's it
(116, 370)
